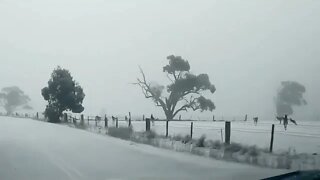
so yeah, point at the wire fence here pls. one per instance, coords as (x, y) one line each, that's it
(304, 137)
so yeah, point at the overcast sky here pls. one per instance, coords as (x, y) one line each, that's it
(246, 47)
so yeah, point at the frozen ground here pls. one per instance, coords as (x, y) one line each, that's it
(37, 150)
(304, 138)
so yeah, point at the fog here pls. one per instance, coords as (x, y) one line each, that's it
(13, 97)
(247, 48)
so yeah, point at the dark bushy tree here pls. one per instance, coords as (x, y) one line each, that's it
(62, 94)
(289, 95)
(12, 98)
(184, 92)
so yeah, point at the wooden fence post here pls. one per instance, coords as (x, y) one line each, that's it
(143, 118)
(272, 136)
(227, 132)
(65, 117)
(221, 135)
(191, 130)
(82, 120)
(73, 119)
(167, 128)
(88, 121)
(147, 124)
(246, 117)
(105, 121)
(37, 115)
(96, 120)
(117, 124)
(129, 119)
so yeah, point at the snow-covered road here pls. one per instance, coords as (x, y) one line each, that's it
(37, 150)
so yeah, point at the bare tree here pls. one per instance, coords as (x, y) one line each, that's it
(184, 92)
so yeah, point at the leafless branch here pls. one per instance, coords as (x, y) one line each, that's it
(189, 104)
(170, 78)
(146, 90)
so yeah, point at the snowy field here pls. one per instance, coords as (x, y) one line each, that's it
(38, 150)
(304, 138)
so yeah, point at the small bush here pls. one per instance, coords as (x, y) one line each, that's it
(150, 134)
(253, 151)
(234, 147)
(177, 137)
(80, 126)
(121, 132)
(162, 136)
(283, 162)
(201, 141)
(214, 144)
(184, 139)
(144, 137)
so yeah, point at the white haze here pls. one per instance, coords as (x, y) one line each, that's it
(246, 47)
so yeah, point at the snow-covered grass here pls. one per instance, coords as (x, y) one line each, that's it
(239, 152)
(304, 138)
(234, 152)
(121, 132)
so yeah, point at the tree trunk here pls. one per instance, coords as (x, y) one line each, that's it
(169, 116)
(168, 113)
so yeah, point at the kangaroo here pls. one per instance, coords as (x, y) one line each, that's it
(293, 121)
(255, 120)
(285, 121)
(279, 119)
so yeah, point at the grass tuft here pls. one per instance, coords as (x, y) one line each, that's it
(201, 141)
(121, 132)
